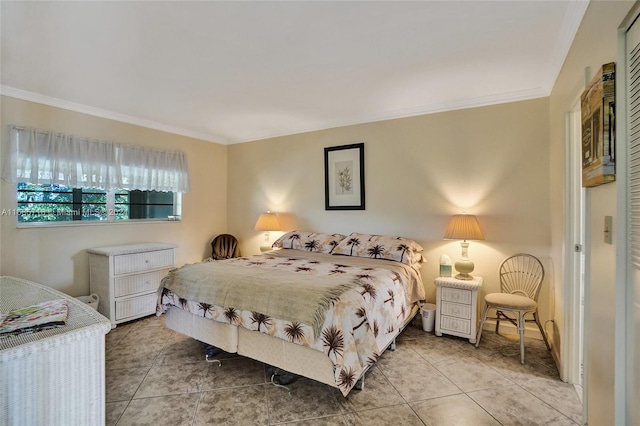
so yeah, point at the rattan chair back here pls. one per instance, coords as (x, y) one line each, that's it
(521, 274)
(224, 246)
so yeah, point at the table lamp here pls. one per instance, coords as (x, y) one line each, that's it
(267, 222)
(464, 227)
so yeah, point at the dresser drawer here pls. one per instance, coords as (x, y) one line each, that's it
(456, 295)
(138, 262)
(139, 283)
(456, 310)
(136, 306)
(455, 324)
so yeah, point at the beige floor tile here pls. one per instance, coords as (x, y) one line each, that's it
(396, 415)
(420, 381)
(308, 400)
(114, 410)
(378, 392)
(469, 374)
(173, 410)
(132, 356)
(234, 372)
(156, 376)
(403, 354)
(181, 350)
(122, 384)
(339, 420)
(171, 380)
(454, 410)
(513, 405)
(561, 396)
(234, 406)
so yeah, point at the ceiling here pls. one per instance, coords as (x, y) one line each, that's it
(231, 72)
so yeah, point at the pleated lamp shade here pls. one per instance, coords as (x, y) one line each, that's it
(267, 222)
(463, 227)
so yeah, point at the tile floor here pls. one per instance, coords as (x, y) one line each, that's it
(156, 376)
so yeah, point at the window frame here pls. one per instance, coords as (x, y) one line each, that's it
(110, 208)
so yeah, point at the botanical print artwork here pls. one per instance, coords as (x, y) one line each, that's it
(344, 177)
(375, 306)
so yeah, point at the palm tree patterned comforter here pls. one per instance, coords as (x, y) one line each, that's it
(378, 303)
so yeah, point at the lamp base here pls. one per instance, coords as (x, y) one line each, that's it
(464, 277)
(464, 267)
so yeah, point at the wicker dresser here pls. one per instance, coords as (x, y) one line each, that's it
(127, 278)
(56, 376)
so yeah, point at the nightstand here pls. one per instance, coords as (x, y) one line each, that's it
(457, 306)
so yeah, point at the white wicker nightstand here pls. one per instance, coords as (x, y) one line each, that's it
(457, 307)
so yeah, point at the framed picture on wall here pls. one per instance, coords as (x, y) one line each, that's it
(597, 108)
(344, 177)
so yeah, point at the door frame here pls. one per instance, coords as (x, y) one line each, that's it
(576, 233)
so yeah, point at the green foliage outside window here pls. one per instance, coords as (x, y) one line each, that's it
(59, 203)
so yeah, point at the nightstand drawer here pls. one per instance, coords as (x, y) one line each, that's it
(139, 283)
(138, 262)
(136, 306)
(456, 295)
(456, 310)
(455, 324)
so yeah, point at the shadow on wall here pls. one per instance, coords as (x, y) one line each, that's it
(80, 285)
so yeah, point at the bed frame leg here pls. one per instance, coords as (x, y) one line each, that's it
(206, 357)
(279, 385)
(393, 345)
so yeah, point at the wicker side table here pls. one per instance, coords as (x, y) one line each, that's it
(56, 376)
(457, 306)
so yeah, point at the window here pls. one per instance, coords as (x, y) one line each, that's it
(58, 176)
(59, 203)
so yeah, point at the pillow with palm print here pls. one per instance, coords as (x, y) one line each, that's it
(381, 247)
(309, 241)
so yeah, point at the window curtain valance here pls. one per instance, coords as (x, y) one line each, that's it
(44, 157)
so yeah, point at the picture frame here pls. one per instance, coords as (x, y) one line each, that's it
(597, 106)
(344, 177)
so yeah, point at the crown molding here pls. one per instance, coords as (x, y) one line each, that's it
(570, 25)
(25, 95)
(515, 96)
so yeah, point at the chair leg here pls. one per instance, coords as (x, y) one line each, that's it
(484, 318)
(544, 335)
(521, 333)
(498, 313)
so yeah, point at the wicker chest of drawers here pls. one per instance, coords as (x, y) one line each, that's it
(127, 278)
(457, 306)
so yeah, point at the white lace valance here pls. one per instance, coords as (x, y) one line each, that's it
(44, 157)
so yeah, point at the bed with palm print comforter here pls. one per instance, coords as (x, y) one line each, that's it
(341, 306)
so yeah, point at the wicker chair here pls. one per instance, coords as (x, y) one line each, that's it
(520, 278)
(224, 246)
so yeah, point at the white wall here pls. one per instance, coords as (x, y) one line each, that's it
(490, 161)
(56, 256)
(595, 44)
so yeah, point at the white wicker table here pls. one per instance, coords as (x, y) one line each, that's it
(56, 376)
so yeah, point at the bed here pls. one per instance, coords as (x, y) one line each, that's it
(323, 306)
